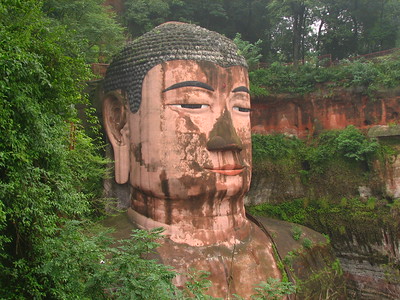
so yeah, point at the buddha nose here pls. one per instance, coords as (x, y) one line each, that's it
(223, 136)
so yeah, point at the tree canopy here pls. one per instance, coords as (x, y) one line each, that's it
(89, 25)
(290, 29)
(43, 180)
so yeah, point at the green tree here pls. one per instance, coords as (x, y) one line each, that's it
(273, 289)
(94, 268)
(357, 26)
(380, 25)
(338, 27)
(90, 25)
(251, 52)
(142, 15)
(210, 14)
(43, 181)
(290, 29)
(293, 16)
(341, 28)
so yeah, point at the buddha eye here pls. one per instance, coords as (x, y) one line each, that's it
(191, 106)
(241, 109)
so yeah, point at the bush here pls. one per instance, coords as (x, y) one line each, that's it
(364, 219)
(273, 289)
(314, 168)
(370, 75)
(83, 263)
(275, 147)
(43, 181)
(296, 232)
(251, 52)
(291, 211)
(354, 145)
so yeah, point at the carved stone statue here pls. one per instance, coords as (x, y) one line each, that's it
(177, 113)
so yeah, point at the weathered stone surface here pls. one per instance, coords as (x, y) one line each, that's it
(314, 268)
(370, 263)
(274, 189)
(380, 131)
(390, 169)
(324, 109)
(237, 272)
(390, 172)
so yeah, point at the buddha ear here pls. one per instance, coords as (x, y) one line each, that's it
(117, 129)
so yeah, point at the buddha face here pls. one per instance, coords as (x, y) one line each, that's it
(190, 139)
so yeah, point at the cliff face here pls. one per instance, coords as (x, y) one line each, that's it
(304, 115)
(312, 266)
(365, 240)
(369, 264)
(368, 244)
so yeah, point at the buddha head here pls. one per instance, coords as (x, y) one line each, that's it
(177, 113)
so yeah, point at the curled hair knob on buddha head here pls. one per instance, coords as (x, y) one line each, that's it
(166, 42)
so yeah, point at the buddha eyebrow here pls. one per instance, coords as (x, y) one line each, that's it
(241, 89)
(189, 83)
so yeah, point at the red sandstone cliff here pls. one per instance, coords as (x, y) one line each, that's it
(302, 115)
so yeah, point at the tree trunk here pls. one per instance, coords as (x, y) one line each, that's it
(355, 26)
(298, 29)
(317, 47)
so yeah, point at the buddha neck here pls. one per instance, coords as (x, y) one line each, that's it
(195, 222)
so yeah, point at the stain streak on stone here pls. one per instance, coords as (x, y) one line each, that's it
(223, 136)
(137, 153)
(168, 204)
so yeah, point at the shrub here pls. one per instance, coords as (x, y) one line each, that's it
(273, 289)
(83, 262)
(307, 243)
(354, 145)
(43, 181)
(251, 52)
(296, 232)
(301, 79)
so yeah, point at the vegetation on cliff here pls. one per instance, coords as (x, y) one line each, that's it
(331, 168)
(335, 158)
(341, 191)
(49, 172)
(89, 25)
(370, 75)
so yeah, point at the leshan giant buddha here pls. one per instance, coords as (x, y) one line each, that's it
(177, 113)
